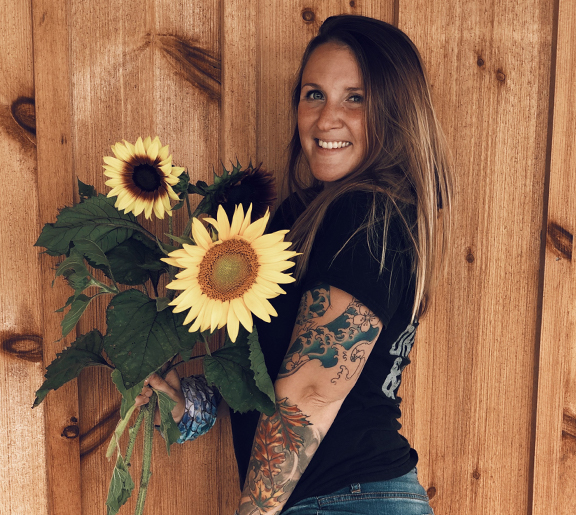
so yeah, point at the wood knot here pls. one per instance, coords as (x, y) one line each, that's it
(24, 346)
(308, 15)
(500, 76)
(476, 474)
(24, 113)
(431, 492)
(470, 255)
(568, 424)
(71, 432)
(559, 240)
(352, 3)
(100, 433)
(480, 61)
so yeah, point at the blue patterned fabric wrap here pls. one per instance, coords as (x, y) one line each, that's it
(201, 407)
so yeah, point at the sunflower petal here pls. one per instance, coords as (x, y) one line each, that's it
(268, 240)
(139, 148)
(224, 314)
(256, 229)
(121, 152)
(232, 323)
(242, 312)
(253, 303)
(276, 277)
(246, 222)
(223, 227)
(200, 234)
(216, 315)
(237, 221)
(152, 150)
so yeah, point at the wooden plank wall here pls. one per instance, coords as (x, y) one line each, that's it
(489, 400)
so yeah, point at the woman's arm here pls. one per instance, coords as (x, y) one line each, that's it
(333, 336)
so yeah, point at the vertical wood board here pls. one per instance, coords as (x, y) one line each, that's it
(22, 452)
(555, 450)
(471, 386)
(54, 151)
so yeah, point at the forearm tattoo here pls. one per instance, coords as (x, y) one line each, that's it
(284, 444)
(340, 342)
(286, 441)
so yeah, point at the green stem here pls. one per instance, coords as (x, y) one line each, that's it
(199, 210)
(188, 205)
(112, 290)
(203, 338)
(149, 410)
(133, 434)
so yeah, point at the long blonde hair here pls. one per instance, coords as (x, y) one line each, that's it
(407, 164)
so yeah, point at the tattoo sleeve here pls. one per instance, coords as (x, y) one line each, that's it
(332, 338)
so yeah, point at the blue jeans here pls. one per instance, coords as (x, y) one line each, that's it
(400, 496)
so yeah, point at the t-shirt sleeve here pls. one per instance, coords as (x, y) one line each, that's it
(350, 262)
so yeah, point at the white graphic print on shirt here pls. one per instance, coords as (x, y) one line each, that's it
(401, 348)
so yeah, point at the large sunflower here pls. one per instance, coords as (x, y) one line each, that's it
(142, 176)
(227, 280)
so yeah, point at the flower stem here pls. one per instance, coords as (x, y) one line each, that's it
(133, 434)
(188, 205)
(149, 410)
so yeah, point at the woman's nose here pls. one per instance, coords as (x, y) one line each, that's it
(330, 117)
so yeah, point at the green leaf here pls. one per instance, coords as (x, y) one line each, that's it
(86, 191)
(121, 486)
(84, 352)
(141, 339)
(162, 303)
(182, 185)
(95, 219)
(93, 253)
(178, 239)
(128, 394)
(118, 432)
(133, 260)
(229, 369)
(74, 271)
(77, 308)
(168, 427)
(258, 366)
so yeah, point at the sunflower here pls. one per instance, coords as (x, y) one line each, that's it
(142, 176)
(226, 280)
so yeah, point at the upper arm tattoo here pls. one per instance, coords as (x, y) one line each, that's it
(341, 341)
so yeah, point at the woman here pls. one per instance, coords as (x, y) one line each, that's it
(369, 176)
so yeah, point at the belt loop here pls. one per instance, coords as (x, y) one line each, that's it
(355, 488)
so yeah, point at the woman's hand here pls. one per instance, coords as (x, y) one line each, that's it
(171, 387)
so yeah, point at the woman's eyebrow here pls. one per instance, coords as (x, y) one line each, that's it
(313, 85)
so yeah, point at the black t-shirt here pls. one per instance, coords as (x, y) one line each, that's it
(363, 443)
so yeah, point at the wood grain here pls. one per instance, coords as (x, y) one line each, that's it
(489, 400)
(555, 449)
(22, 449)
(139, 70)
(470, 391)
(53, 132)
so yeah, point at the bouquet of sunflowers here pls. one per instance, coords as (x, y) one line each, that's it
(223, 265)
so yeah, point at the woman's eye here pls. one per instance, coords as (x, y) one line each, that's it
(314, 95)
(356, 98)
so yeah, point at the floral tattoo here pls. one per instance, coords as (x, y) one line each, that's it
(284, 438)
(341, 341)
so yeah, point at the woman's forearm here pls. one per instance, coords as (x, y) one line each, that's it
(283, 446)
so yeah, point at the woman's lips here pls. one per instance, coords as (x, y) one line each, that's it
(329, 145)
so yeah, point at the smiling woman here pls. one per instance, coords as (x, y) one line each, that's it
(369, 176)
(331, 117)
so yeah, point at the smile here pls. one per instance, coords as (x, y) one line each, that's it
(333, 144)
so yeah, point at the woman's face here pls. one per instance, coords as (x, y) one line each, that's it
(331, 113)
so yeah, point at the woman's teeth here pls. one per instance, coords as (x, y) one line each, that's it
(333, 144)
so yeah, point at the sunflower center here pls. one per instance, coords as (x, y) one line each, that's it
(146, 177)
(228, 270)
